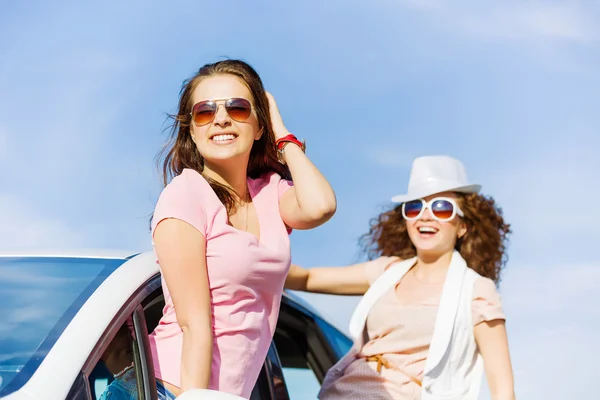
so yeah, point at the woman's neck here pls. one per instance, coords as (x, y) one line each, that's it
(235, 179)
(432, 268)
(116, 363)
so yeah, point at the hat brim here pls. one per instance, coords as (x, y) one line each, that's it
(403, 198)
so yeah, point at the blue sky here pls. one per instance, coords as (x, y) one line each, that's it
(509, 88)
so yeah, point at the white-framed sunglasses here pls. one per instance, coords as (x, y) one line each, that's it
(442, 209)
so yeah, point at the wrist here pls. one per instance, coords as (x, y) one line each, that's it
(284, 141)
(281, 133)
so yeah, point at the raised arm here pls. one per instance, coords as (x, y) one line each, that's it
(311, 202)
(492, 342)
(349, 280)
(181, 251)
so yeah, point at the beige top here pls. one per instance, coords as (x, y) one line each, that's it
(400, 326)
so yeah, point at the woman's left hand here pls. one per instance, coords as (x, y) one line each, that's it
(311, 202)
(278, 127)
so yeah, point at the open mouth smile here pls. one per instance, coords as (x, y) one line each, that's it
(427, 231)
(223, 137)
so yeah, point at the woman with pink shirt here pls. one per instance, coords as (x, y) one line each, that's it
(430, 321)
(220, 229)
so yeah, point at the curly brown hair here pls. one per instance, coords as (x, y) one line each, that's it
(483, 246)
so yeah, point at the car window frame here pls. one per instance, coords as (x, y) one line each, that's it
(274, 373)
(317, 340)
(131, 309)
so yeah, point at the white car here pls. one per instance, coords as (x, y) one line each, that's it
(61, 314)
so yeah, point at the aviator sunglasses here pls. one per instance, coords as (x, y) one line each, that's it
(204, 112)
(442, 209)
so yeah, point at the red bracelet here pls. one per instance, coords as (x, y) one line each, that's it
(282, 142)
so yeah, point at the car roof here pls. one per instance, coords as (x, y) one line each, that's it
(71, 253)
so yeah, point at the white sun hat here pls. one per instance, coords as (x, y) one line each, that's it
(435, 174)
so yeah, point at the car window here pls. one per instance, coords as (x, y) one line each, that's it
(121, 367)
(338, 341)
(300, 379)
(116, 373)
(40, 296)
(307, 347)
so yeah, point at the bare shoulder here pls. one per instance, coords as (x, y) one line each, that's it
(375, 268)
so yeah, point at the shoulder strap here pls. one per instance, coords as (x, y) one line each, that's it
(385, 282)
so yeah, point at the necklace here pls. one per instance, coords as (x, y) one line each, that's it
(247, 200)
(246, 219)
(118, 374)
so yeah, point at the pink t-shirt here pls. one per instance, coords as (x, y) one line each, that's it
(246, 278)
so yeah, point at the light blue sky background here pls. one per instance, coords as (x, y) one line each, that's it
(511, 88)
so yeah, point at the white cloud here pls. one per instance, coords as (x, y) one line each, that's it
(544, 196)
(551, 290)
(552, 325)
(23, 227)
(559, 20)
(514, 20)
(551, 358)
(423, 4)
(535, 20)
(389, 157)
(3, 143)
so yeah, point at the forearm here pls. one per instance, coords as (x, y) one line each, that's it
(492, 342)
(196, 358)
(330, 280)
(500, 378)
(349, 280)
(503, 394)
(314, 194)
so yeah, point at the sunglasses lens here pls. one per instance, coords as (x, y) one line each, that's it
(204, 112)
(442, 209)
(238, 109)
(412, 209)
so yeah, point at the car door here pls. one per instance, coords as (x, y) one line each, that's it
(307, 346)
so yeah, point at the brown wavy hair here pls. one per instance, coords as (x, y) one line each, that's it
(180, 151)
(483, 246)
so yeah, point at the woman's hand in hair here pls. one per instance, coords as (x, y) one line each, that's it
(311, 202)
(276, 120)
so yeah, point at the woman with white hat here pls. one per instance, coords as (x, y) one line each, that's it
(430, 320)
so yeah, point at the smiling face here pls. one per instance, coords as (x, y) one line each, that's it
(224, 138)
(433, 237)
